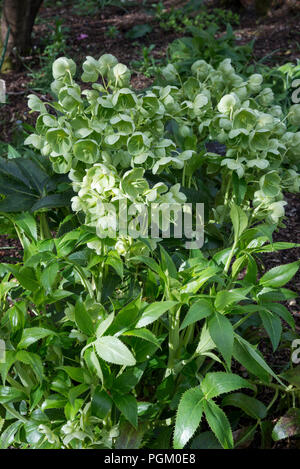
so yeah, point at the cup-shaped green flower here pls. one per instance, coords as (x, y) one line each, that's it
(294, 115)
(86, 150)
(62, 66)
(255, 83)
(227, 104)
(120, 75)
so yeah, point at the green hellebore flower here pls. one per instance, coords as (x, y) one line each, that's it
(105, 63)
(62, 66)
(255, 82)
(227, 103)
(120, 75)
(169, 72)
(294, 115)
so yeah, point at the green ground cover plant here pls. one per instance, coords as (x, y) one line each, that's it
(193, 14)
(116, 342)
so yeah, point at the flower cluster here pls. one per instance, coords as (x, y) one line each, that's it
(113, 141)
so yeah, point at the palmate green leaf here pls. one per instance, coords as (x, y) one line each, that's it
(217, 383)
(205, 342)
(83, 319)
(8, 435)
(239, 220)
(54, 401)
(288, 425)
(28, 224)
(205, 440)
(194, 285)
(76, 391)
(149, 262)
(101, 403)
(126, 318)
(49, 275)
(93, 364)
(239, 188)
(74, 372)
(199, 310)
(238, 265)
(279, 276)
(26, 276)
(127, 405)
(280, 245)
(188, 416)
(10, 356)
(219, 424)
(104, 325)
(27, 184)
(154, 311)
(249, 357)
(10, 394)
(222, 333)
(251, 274)
(129, 437)
(251, 406)
(144, 334)
(273, 326)
(58, 295)
(225, 298)
(32, 335)
(124, 383)
(33, 360)
(138, 31)
(167, 264)
(53, 201)
(112, 350)
(114, 260)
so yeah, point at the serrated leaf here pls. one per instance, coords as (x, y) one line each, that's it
(219, 424)
(127, 405)
(239, 221)
(280, 275)
(83, 319)
(222, 333)
(199, 310)
(194, 285)
(144, 334)
(104, 325)
(154, 311)
(282, 312)
(188, 416)
(10, 394)
(226, 298)
(32, 335)
(101, 403)
(112, 350)
(251, 406)
(247, 355)
(49, 275)
(273, 327)
(217, 383)
(33, 360)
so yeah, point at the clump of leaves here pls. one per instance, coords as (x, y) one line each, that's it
(110, 336)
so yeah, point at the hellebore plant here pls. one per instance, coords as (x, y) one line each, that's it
(114, 342)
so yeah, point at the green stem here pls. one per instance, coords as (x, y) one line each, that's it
(174, 339)
(44, 227)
